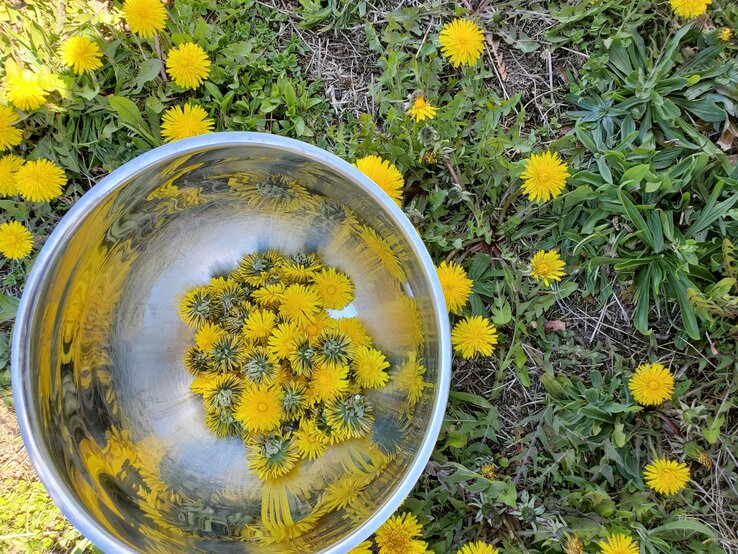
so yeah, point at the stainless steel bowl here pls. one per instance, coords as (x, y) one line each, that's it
(102, 397)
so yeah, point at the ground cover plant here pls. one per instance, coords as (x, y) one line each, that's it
(571, 168)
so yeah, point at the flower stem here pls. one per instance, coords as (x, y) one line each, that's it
(161, 59)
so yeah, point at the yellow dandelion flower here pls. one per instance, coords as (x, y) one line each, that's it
(300, 304)
(281, 340)
(219, 284)
(15, 240)
(462, 42)
(689, 8)
(478, 547)
(545, 176)
(208, 335)
(260, 408)
(185, 121)
(81, 54)
(666, 476)
(223, 391)
(422, 109)
(488, 472)
(369, 368)
(203, 382)
(456, 285)
(40, 180)
(261, 367)
(384, 174)
(196, 306)
(146, 18)
(354, 329)
(9, 166)
(188, 65)
(9, 136)
(314, 327)
(270, 295)
(310, 441)
(399, 534)
(364, 548)
(24, 91)
(619, 544)
(272, 456)
(334, 288)
(651, 384)
(259, 325)
(343, 492)
(547, 266)
(351, 416)
(474, 335)
(726, 34)
(382, 250)
(572, 544)
(329, 382)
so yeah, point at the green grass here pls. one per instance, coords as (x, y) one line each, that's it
(643, 107)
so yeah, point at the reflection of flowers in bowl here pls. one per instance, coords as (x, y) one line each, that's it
(103, 396)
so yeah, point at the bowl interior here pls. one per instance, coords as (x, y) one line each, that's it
(107, 398)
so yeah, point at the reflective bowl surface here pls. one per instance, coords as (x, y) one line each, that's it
(102, 396)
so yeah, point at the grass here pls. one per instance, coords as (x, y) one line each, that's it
(644, 108)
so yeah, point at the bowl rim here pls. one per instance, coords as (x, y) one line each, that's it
(20, 377)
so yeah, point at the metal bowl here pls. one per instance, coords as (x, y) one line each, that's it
(100, 390)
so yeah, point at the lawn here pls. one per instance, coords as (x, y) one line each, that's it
(630, 105)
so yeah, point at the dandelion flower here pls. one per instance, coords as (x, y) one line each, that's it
(281, 339)
(369, 368)
(572, 544)
(311, 329)
(40, 180)
(300, 304)
(270, 295)
(462, 42)
(456, 285)
(272, 456)
(196, 306)
(81, 54)
(332, 347)
(9, 136)
(310, 441)
(651, 384)
(223, 391)
(302, 357)
(351, 416)
(474, 335)
(421, 109)
(354, 329)
(399, 534)
(329, 382)
(260, 408)
(259, 325)
(9, 166)
(185, 121)
(547, 266)
(666, 476)
(334, 288)
(227, 353)
(260, 366)
(24, 91)
(478, 547)
(488, 472)
(726, 34)
(15, 240)
(384, 174)
(619, 544)
(689, 8)
(544, 176)
(208, 335)
(145, 17)
(196, 361)
(188, 65)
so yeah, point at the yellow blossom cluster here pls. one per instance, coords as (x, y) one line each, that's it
(272, 365)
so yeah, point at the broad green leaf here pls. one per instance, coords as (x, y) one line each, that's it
(8, 307)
